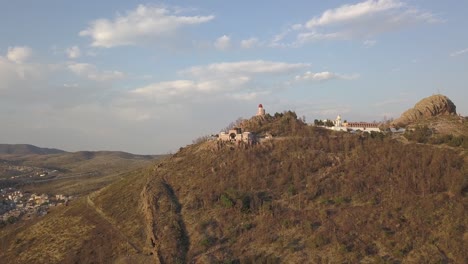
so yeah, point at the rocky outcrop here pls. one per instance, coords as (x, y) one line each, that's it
(435, 105)
(166, 231)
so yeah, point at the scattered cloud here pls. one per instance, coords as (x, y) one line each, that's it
(223, 43)
(369, 43)
(144, 23)
(249, 43)
(459, 52)
(91, 72)
(188, 88)
(324, 76)
(73, 52)
(19, 54)
(350, 13)
(355, 21)
(227, 80)
(245, 67)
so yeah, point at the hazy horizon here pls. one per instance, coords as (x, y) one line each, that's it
(148, 77)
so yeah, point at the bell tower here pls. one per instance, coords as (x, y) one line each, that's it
(261, 110)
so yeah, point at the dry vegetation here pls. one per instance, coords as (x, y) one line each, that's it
(308, 196)
(316, 196)
(105, 227)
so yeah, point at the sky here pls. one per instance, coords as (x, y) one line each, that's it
(148, 77)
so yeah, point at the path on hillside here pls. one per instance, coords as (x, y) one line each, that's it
(110, 223)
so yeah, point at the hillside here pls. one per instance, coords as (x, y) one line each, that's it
(307, 196)
(72, 173)
(25, 149)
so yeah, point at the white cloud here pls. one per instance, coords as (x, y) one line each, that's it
(228, 80)
(459, 52)
(143, 23)
(223, 43)
(369, 43)
(245, 67)
(249, 43)
(350, 13)
(356, 21)
(91, 72)
(73, 52)
(314, 36)
(19, 54)
(324, 76)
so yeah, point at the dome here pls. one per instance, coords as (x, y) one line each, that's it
(260, 106)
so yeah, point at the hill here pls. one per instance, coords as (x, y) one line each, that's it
(25, 149)
(72, 173)
(307, 196)
(432, 106)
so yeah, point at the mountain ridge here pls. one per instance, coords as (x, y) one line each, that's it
(27, 149)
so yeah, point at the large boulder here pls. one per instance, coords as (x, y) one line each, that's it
(435, 105)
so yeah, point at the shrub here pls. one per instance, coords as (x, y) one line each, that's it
(226, 201)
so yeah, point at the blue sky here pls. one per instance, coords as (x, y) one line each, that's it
(150, 76)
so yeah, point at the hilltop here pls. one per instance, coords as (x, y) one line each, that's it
(307, 195)
(432, 106)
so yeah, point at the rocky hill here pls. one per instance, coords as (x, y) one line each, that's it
(432, 106)
(306, 196)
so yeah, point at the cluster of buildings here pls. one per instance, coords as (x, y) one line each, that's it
(237, 135)
(14, 203)
(354, 126)
(20, 171)
(339, 125)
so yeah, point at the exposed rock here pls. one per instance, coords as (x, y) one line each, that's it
(435, 105)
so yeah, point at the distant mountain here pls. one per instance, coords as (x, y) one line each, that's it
(26, 149)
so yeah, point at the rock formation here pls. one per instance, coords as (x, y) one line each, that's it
(435, 105)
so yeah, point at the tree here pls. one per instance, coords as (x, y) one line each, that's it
(233, 124)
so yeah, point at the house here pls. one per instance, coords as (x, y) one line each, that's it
(236, 135)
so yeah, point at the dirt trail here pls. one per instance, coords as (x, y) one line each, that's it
(112, 225)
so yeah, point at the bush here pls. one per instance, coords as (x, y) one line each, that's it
(226, 201)
(207, 242)
(420, 134)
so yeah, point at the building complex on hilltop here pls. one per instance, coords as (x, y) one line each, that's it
(354, 126)
(237, 135)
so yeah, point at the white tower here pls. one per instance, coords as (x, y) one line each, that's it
(261, 111)
(338, 121)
